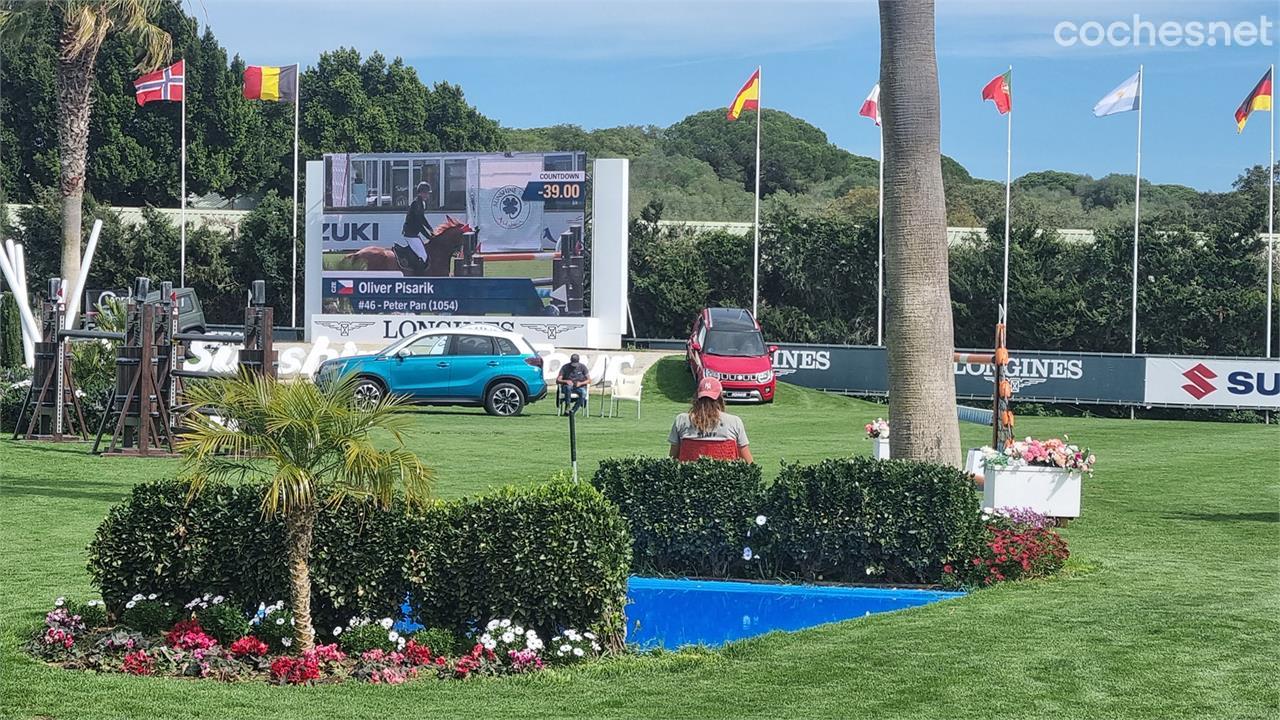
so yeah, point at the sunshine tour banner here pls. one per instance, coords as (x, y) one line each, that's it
(1044, 376)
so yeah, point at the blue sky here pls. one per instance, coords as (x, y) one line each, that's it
(603, 63)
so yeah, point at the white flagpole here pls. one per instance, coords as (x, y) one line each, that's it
(1271, 208)
(755, 273)
(182, 190)
(880, 251)
(1008, 181)
(1137, 205)
(293, 282)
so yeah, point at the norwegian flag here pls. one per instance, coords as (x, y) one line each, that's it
(165, 84)
(871, 106)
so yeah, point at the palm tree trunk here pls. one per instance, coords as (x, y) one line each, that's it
(75, 104)
(920, 338)
(300, 526)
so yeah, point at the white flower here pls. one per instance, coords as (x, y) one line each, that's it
(565, 648)
(400, 643)
(152, 596)
(218, 600)
(761, 520)
(531, 633)
(505, 623)
(60, 602)
(746, 553)
(279, 621)
(595, 646)
(589, 635)
(493, 625)
(386, 623)
(517, 630)
(205, 596)
(489, 644)
(577, 652)
(337, 631)
(139, 596)
(393, 636)
(286, 641)
(129, 605)
(508, 637)
(94, 603)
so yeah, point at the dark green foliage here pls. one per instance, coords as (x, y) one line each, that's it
(11, 353)
(93, 616)
(365, 638)
(440, 641)
(276, 629)
(852, 520)
(14, 383)
(555, 555)
(558, 554)
(150, 617)
(685, 518)
(225, 622)
(858, 520)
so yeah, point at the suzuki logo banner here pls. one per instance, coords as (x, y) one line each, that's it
(1035, 376)
(1213, 382)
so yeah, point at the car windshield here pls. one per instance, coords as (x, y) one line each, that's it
(735, 343)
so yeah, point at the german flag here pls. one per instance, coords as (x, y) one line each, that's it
(267, 82)
(748, 98)
(1259, 99)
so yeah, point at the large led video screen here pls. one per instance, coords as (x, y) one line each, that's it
(454, 233)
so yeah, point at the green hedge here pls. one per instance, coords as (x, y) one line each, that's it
(555, 556)
(858, 519)
(686, 518)
(853, 520)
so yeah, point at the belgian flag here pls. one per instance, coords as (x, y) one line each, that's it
(1259, 99)
(267, 82)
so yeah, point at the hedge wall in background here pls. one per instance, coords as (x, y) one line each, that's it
(553, 556)
(850, 520)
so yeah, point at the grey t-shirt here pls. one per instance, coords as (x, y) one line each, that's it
(730, 427)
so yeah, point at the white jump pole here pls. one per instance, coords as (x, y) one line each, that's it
(31, 331)
(73, 301)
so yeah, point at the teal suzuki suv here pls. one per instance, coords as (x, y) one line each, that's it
(449, 366)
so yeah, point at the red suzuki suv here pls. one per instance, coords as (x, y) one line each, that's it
(726, 344)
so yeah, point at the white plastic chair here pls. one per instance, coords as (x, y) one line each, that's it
(625, 387)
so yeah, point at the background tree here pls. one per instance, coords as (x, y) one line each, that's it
(82, 26)
(922, 393)
(311, 446)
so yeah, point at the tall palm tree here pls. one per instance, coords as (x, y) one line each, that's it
(922, 392)
(308, 443)
(83, 26)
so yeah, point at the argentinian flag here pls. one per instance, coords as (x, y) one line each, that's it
(1122, 99)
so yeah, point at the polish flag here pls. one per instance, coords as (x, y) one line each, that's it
(871, 106)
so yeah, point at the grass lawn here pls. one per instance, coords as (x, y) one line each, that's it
(1171, 608)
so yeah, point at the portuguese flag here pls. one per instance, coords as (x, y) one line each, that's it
(1000, 92)
(1259, 99)
(268, 82)
(748, 98)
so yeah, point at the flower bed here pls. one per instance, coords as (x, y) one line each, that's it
(1018, 544)
(186, 649)
(1043, 475)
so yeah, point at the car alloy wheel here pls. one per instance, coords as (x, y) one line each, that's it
(367, 394)
(506, 400)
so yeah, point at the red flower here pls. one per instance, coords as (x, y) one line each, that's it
(417, 654)
(248, 646)
(139, 663)
(188, 635)
(294, 670)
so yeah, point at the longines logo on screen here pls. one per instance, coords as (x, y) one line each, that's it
(393, 329)
(1024, 372)
(786, 362)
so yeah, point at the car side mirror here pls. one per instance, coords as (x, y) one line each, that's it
(694, 346)
(773, 349)
(401, 355)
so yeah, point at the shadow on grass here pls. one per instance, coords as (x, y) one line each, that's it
(672, 378)
(73, 447)
(61, 491)
(1266, 517)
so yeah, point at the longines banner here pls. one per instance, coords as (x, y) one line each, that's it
(1035, 376)
(1213, 382)
(1044, 376)
(383, 329)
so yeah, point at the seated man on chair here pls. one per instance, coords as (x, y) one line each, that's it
(573, 381)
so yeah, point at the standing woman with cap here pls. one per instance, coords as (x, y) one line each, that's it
(707, 430)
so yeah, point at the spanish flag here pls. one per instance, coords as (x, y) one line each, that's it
(267, 82)
(748, 98)
(1259, 99)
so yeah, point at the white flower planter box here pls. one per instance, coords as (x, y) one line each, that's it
(1049, 491)
(880, 448)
